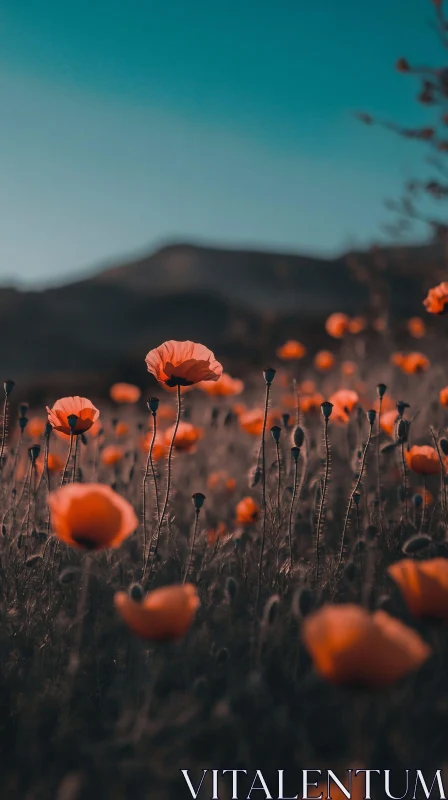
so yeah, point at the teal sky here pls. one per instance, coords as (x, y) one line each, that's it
(127, 124)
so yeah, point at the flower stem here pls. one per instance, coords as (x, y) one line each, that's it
(357, 485)
(263, 498)
(69, 455)
(320, 519)
(193, 540)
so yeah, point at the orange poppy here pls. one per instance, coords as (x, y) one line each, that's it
(93, 431)
(345, 398)
(111, 455)
(163, 614)
(221, 481)
(214, 534)
(225, 386)
(187, 437)
(426, 495)
(252, 421)
(388, 420)
(349, 368)
(423, 460)
(125, 393)
(311, 402)
(397, 359)
(307, 387)
(443, 396)
(416, 327)
(291, 350)
(55, 463)
(414, 363)
(337, 325)
(424, 586)
(183, 363)
(121, 429)
(437, 299)
(349, 646)
(247, 511)
(239, 408)
(91, 516)
(35, 427)
(79, 407)
(324, 361)
(159, 450)
(357, 325)
(387, 404)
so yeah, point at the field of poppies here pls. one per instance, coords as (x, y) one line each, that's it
(216, 572)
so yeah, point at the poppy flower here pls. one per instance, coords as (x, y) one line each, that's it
(443, 396)
(35, 427)
(112, 455)
(337, 325)
(225, 386)
(291, 351)
(187, 437)
(93, 431)
(324, 361)
(159, 450)
(351, 647)
(55, 462)
(162, 615)
(356, 325)
(424, 586)
(125, 393)
(239, 409)
(79, 407)
(311, 403)
(213, 535)
(247, 511)
(345, 398)
(348, 369)
(423, 460)
(387, 404)
(221, 481)
(121, 429)
(387, 422)
(397, 359)
(414, 363)
(91, 516)
(183, 364)
(252, 421)
(416, 327)
(437, 299)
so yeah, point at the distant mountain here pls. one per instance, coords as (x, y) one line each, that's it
(238, 302)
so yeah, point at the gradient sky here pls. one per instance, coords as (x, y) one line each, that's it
(129, 123)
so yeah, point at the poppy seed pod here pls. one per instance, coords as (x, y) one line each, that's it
(198, 500)
(285, 419)
(402, 429)
(401, 407)
(295, 452)
(299, 436)
(34, 451)
(305, 602)
(72, 419)
(23, 422)
(48, 429)
(371, 416)
(444, 446)
(381, 389)
(136, 592)
(417, 500)
(8, 387)
(153, 404)
(356, 498)
(326, 409)
(23, 408)
(269, 374)
(276, 431)
(416, 543)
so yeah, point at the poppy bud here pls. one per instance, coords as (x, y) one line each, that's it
(417, 500)
(285, 419)
(371, 416)
(299, 436)
(381, 389)
(198, 500)
(23, 422)
(295, 452)
(326, 409)
(72, 419)
(444, 446)
(276, 431)
(23, 408)
(8, 387)
(153, 404)
(136, 592)
(269, 374)
(401, 407)
(416, 543)
(255, 476)
(231, 588)
(356, 498)
(401, 430)
(34, 451)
